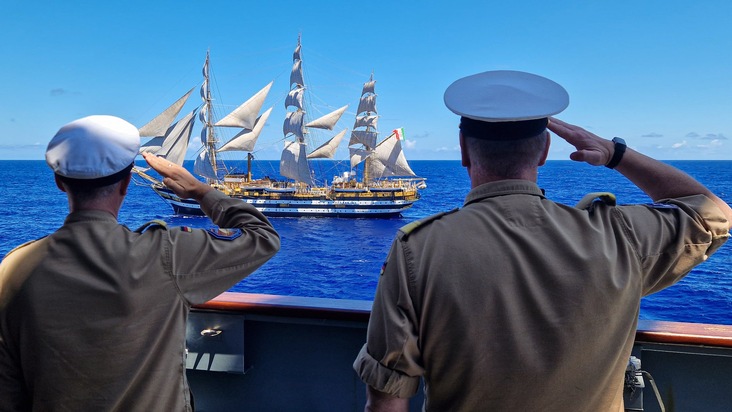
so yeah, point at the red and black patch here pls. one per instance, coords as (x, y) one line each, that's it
(224, 234)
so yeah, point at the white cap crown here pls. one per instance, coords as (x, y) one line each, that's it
(93, 147)
(505, 96)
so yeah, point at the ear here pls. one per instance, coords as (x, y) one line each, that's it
(464, 155)
(124, 184)
(545, 153)
(59, 183)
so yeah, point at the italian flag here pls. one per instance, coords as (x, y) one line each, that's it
(399, 133)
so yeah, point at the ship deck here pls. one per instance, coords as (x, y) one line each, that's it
(284, 353)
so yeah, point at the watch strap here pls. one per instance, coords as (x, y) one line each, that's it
(619, 150)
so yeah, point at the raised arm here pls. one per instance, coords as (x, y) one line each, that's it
(208, 262)
(657, 179)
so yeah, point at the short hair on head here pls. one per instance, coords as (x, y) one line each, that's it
(85, 190)
(506, 158)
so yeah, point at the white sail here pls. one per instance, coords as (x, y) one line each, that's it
(367, 104)
(385, 159)
(245, 115)
(365, 130)
(295, 120)
(293, 124)
(296, 73)
(388, 158)
(294, 98)
(160, 125)
(203, 114)
(202, 166)
(369, 87)
(294, 160)
(204, 133)
(358, 156)
(366, 121)
(293, 163)
(327, 150)
(152, 145)
(364, 137)
(329, 120)
(246, 139)
(175, 145)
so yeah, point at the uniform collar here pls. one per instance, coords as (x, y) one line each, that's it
(502, 188)
(90, 215)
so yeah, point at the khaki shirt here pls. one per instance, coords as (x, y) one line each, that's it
(93, 317)
(517, 303)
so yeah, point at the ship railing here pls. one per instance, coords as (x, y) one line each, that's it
(690, 363)
(315, 190)
(648, 331)
(405, 182)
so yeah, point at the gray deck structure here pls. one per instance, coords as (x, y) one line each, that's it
(251, 352)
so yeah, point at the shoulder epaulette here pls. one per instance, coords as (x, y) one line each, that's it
(590, 198)
(405, 230)
(152, 223)
(30, 242)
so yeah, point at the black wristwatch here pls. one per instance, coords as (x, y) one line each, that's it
(617, 153)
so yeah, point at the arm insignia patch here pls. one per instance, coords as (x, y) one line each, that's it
(224, 234)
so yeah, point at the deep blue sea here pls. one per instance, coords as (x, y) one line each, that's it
(341, 258)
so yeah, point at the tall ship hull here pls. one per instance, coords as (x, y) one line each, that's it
(378, 181)
(286, 203)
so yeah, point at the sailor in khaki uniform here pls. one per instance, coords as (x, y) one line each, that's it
(92, 317)
(515, 302)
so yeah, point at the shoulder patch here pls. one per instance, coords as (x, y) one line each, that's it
(30, 242)
(589, 199)
(407, 229)
(152, 224)
(224, 234)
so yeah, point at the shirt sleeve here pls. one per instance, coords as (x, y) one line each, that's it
(14, 271)
(390, 361)
(673, 236)
(207, 263)
(13, 396)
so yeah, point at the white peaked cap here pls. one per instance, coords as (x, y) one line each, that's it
(93, 147)
(505, 96)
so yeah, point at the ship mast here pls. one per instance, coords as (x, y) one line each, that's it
(208, 134)
(294, 160)
(367, 163)
(366, 167)
(365, 130)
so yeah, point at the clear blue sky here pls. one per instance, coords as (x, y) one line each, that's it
(658, 73)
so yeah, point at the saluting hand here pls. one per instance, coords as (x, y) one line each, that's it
(591, 148)
(177, 178)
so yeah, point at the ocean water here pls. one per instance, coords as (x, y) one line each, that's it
(341, 258)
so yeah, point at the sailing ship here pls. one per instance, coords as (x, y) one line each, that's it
(385, 186)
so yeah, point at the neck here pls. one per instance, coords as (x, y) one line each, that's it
(105, 200)
(109, 205)
(479, 177)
